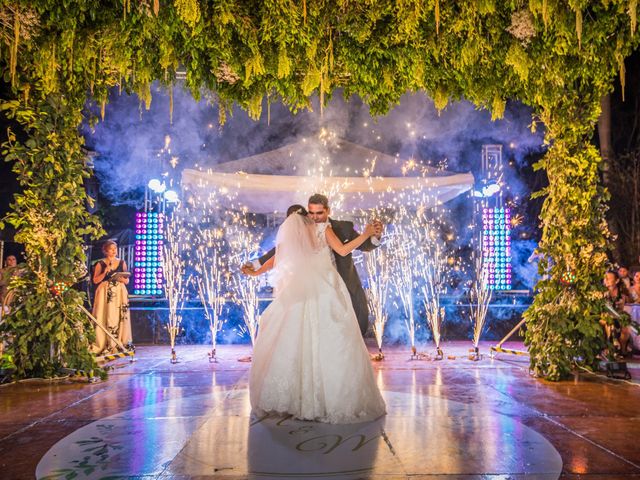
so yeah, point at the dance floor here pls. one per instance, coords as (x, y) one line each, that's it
(447, 419)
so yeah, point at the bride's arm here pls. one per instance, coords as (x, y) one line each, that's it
(344, 249)
(265, 267)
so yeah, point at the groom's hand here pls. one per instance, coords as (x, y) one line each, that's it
(379, 228)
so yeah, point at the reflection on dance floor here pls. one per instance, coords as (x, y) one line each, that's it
(214, 435)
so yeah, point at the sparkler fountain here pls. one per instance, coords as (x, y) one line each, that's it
(243, 241)
(403, 277)
(377, 267)
(174, 269)
(432, 259)
(211, 280)
(246, 295)
(479, 299)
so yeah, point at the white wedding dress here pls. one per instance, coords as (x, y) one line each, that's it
(309, 359)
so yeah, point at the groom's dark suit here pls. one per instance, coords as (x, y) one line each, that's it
(345, 232)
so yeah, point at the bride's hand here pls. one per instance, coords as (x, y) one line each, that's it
(370, 230)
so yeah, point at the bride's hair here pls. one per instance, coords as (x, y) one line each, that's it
(297, 209)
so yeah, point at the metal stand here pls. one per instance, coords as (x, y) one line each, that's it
(107, 332)
(498, 348)
(417, 356)
(212, 356)
(123, 353)
(378, 357)
(474, 354)
(617, 370)
(89, 375)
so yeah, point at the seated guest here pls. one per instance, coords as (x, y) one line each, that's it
(617, 295)
(635, 288)
(111, 305)
(623, 274)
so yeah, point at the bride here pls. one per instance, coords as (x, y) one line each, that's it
(309, 359)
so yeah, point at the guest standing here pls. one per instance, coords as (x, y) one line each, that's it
(10, 269)
(111, 304)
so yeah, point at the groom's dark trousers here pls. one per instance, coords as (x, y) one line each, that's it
(345, 232)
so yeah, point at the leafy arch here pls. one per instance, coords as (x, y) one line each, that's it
(560, 57)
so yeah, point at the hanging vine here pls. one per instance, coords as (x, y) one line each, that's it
(47, 325)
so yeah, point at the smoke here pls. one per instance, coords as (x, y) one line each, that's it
(131, 143)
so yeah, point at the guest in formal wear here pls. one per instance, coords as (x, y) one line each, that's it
(111, 304)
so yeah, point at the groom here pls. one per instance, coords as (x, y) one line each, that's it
(318, 211)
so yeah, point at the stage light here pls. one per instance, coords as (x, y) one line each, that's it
(490, 190)
(496, 246)
(156, 186)
(171, 196)
(147, 273)
(487, 190)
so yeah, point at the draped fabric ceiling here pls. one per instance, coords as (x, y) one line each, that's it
(354, 177)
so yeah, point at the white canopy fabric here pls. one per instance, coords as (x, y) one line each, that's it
(354, 177)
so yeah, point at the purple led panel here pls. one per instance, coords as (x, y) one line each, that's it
(496, 247)
(147, 266)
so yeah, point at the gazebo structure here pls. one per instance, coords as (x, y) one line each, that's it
(353, 176)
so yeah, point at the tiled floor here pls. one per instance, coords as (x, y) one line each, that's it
(446, 420)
